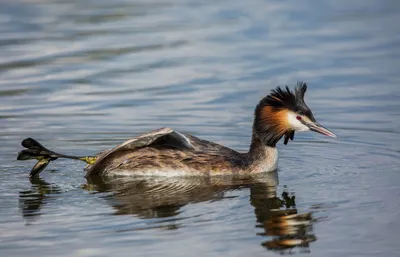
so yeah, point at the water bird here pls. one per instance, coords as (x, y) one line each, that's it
(167, 152)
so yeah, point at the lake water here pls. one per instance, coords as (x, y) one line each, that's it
(83, 76)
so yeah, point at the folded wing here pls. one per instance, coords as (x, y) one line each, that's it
(163, 136)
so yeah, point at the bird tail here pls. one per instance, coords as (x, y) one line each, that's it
(34, 150)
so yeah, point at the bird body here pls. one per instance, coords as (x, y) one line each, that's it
(199, 157)
(166, 152)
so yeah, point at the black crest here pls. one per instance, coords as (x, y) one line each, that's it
(284, 98)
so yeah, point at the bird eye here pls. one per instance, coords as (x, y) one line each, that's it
(298, 118)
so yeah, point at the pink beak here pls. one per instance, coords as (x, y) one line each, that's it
(320, 129)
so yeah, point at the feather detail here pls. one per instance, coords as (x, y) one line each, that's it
(271, 122)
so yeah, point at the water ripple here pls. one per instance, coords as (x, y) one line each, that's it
(83, 76)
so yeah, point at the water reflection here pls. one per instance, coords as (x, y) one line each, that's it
(283, 227)
(279, 219)
(155, 197)
(31, 201)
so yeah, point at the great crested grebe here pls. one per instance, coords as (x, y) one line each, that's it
(166, 152)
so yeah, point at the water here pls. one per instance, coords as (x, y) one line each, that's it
(83, 76)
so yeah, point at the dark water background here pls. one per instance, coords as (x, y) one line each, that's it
(82, 76)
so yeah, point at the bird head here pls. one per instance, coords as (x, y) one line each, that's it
(283, 112)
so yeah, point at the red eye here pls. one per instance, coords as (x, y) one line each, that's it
(298, 117)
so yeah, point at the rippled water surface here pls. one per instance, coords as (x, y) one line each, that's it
(83, 76)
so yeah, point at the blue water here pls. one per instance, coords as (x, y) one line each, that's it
(83, 76)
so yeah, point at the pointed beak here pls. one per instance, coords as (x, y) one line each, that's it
(315, 126)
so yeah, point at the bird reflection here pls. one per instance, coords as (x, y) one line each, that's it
(282, 225)
(282, 228)
(31, 201)
(278, 217)
(156, 197)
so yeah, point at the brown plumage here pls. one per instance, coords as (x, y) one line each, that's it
(275, 119)
(169, 153)
(206, 158)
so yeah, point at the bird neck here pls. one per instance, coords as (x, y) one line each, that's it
(262, 157)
